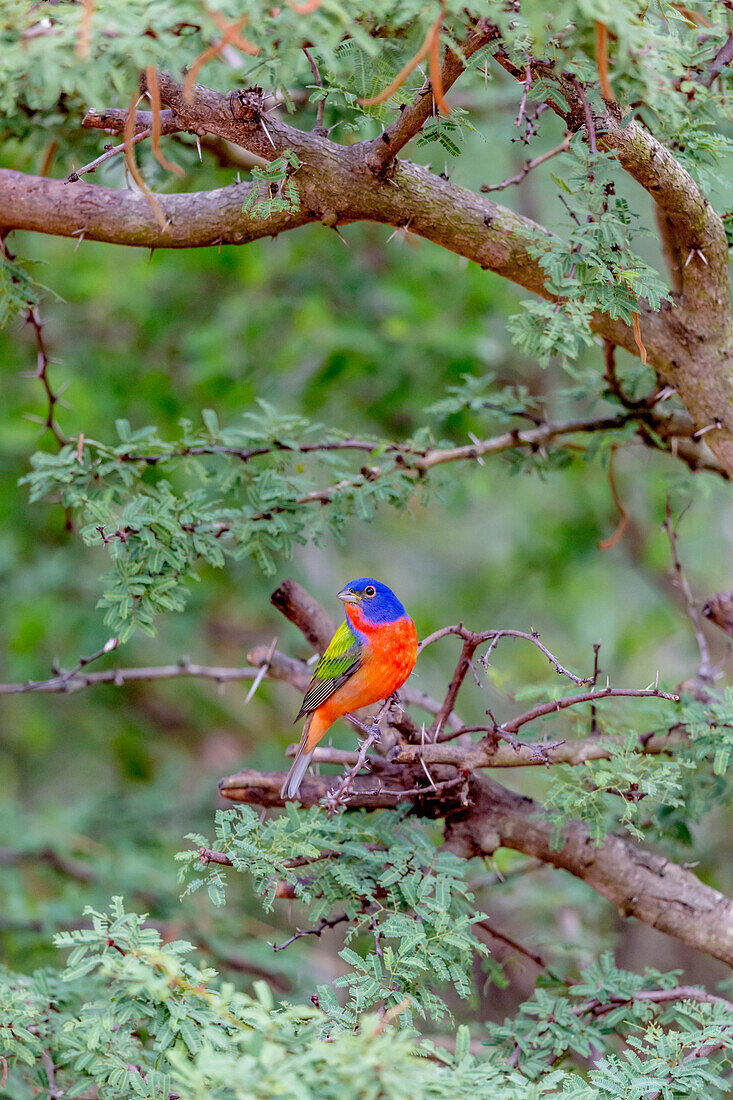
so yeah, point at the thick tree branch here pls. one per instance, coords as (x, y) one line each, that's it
(336, 186)
(488, 753)
(637, 881)
(487, 816)
(690, 344)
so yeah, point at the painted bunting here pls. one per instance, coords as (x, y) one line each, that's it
(369, 657)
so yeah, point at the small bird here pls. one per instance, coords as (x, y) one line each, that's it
(369, 657)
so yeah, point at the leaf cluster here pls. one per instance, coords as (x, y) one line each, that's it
(405, 903)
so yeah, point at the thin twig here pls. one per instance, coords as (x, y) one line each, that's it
(326, 922)
(590, 125)
(470, 645)
(534, 956)
(340, 795)
(48, 1064)
(523, 104)
(593, 682)
(66, 683)
(319, 81)
(73, 177)
(494, 636)
(554, 705)
(110, 645)
(535, 162)
(705, 670)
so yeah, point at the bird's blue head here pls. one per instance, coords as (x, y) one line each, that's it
(376, 602)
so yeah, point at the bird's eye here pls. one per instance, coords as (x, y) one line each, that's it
(370, 591)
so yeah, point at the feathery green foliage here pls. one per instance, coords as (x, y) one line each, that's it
(406, 355)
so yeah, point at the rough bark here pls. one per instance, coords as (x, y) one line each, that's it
(639, 882)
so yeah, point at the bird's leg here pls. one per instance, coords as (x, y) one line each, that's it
(395, 701)
(384, 709)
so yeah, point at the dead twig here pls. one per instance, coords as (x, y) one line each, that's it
(554, 705)
(41, 373)
(67, 682)
(528, 166)
(325, 922)
(74, 176)
(340, 795)
(705, 670)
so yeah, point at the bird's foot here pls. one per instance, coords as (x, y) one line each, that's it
(395, 701)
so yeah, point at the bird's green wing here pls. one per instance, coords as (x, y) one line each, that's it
(343, 657)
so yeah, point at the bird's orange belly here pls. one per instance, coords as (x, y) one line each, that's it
(391, 661)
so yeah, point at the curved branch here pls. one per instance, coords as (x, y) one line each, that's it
(690, 345)
(697, 357)
(336, 186)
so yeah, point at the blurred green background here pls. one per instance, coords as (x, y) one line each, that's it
(100, 787)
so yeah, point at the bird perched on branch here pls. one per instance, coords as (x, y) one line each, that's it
(369, 657)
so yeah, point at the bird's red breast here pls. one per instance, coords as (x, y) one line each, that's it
(393, 652)
(390, 658)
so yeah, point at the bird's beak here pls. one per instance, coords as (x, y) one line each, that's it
(348, 596)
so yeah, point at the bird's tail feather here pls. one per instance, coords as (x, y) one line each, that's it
(294, 778)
